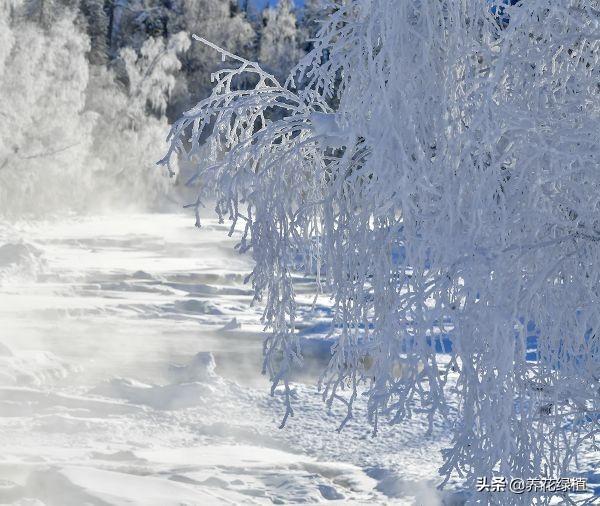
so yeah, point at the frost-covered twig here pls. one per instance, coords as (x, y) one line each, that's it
(435, 164)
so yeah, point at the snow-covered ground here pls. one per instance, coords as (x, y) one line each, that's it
(129, 374)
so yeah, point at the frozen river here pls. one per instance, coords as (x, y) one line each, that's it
(130, 374)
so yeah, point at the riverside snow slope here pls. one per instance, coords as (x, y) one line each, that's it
(129, 375)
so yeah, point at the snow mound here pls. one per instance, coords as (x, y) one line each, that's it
(192, 385)
(66, 423)
(143, 275)
(75, 486)
(23, 401)
(201, 368)
(31, 368)
(20, 260)
(118, 456)
(5, 351)
(193, 306)
(167, 397)
(233, 324)
(17, 253)
(266, 476)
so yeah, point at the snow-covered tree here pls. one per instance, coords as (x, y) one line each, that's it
(312, 14)
(118, 11)
(46, 12)
(449, 203)
(135, 21)
(279, 39)
(72, 136)
(44, 130)
(97, 27)
(150, 74)
(130, 122)
(220, 22)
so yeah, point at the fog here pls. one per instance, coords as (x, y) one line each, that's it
(129, 346)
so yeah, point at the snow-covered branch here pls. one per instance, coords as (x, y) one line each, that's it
(435, 164)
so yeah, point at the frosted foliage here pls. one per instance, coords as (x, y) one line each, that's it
(311, 16)
(127, 139)
(6, 39)
(44, 132)
(214, 20)
(453, 191)
(279, 45)
(73, 138)
(150, 73)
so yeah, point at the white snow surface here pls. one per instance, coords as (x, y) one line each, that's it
(130, 375)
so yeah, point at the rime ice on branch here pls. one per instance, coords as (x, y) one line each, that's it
(438, 170)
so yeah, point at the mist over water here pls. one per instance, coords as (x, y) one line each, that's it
(73, 139)
(129, 346)
(120, 278)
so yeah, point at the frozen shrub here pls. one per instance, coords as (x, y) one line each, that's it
(437, 169)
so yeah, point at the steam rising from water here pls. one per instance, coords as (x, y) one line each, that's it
(72, 137)
(132, 347)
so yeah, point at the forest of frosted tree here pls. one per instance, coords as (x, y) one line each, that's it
(95, 83)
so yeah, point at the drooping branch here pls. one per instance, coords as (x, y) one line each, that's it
(430, 164)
